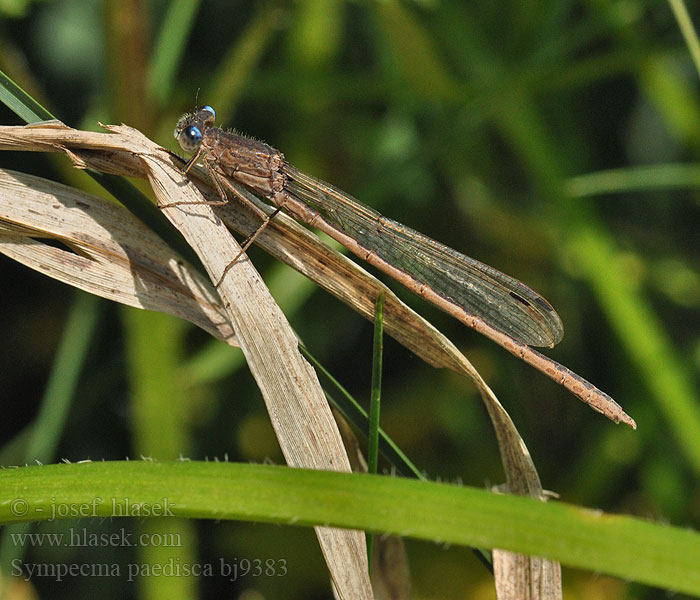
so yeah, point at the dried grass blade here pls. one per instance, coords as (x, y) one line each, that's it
(99, 247)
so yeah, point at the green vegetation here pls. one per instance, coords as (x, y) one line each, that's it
(555, 141)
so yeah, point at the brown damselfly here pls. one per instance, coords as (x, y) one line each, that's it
(487, 300)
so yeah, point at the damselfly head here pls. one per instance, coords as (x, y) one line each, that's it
(191, 126)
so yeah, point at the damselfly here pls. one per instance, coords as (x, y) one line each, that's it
(489, 301)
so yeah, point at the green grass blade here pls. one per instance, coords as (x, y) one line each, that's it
(412, 51)
(45, 432)
(169, 48)
(62, 383)
(685, 24)
(353, 412)
(159, 422)
(375, 400)
(639, 179)
(645, 340)
(237, 66)
(374, 405)
(622, 546)
(21, 103)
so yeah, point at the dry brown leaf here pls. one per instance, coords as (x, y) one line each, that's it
(103, 249)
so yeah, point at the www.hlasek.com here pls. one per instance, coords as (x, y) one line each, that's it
(173, 567)
(76, 537)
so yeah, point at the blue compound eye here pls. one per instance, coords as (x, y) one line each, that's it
(209, 109)
(190, 138)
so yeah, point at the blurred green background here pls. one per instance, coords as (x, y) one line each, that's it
(554, 140)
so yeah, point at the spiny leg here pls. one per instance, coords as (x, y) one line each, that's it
(213, 175)
(217, 180)
(192, 161)
(214, 179)
(251, 238)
